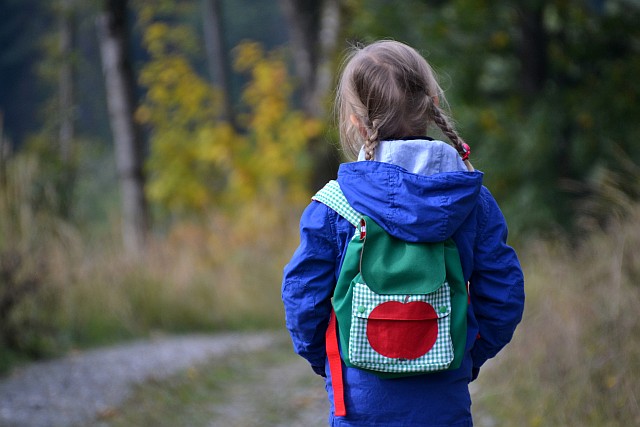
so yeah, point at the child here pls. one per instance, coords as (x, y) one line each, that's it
(418, 190)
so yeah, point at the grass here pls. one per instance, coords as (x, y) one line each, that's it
(268, 388)
(572, 362)
(573, 359)
(62, 288)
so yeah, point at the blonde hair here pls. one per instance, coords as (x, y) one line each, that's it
(391, 91)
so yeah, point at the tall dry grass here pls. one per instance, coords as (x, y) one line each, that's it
(573, 362)
(575, 358)
(61, 288)
(186, 281)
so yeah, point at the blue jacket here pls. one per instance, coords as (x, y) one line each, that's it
(417, 208)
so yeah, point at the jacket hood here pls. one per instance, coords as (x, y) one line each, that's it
(409, 206)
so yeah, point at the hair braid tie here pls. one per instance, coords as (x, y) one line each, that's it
(461, 147)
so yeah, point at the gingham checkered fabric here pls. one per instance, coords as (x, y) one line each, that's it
(332, 196)
(361, 354)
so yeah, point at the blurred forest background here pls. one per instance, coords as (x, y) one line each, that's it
(155, 157)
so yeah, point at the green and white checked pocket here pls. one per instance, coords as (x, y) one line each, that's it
(401, 333)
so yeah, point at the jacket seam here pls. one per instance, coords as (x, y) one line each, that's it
(485, 217)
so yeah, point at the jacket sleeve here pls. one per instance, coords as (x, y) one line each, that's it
(308, 284)
(496, 285)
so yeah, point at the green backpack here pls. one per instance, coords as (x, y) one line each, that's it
(400, 307)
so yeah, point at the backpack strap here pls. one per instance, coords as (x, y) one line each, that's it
(332, 196)
(335, 367)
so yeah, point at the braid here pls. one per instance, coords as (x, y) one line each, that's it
(372, 141)
(443, 123)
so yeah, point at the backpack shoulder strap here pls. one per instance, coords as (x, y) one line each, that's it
(332, 196)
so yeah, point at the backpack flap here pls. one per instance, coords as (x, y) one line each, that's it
(392, 266)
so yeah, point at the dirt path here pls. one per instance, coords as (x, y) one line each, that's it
(259, 383)
(275, 390)
(75, 390)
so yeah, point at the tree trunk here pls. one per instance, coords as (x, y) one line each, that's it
(4, 153)
(66, 104)
(314, 30)
(120, 86)
(65, 81)
(216, 49)
(314, 26)
(533, 48)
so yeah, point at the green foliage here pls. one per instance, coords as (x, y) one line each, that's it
(63, 280)
(530, 133)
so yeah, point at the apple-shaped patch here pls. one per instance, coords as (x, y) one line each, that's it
(402, 330)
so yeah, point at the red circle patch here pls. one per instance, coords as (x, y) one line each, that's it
(402, 330)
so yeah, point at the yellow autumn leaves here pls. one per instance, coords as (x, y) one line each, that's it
(197, 161)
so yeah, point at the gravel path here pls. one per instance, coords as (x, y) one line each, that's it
(84, 388)
(76, 389)
(282, 394)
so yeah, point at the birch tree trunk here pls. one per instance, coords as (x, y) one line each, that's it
(315, 27)
(113, 37)
(213, 28)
